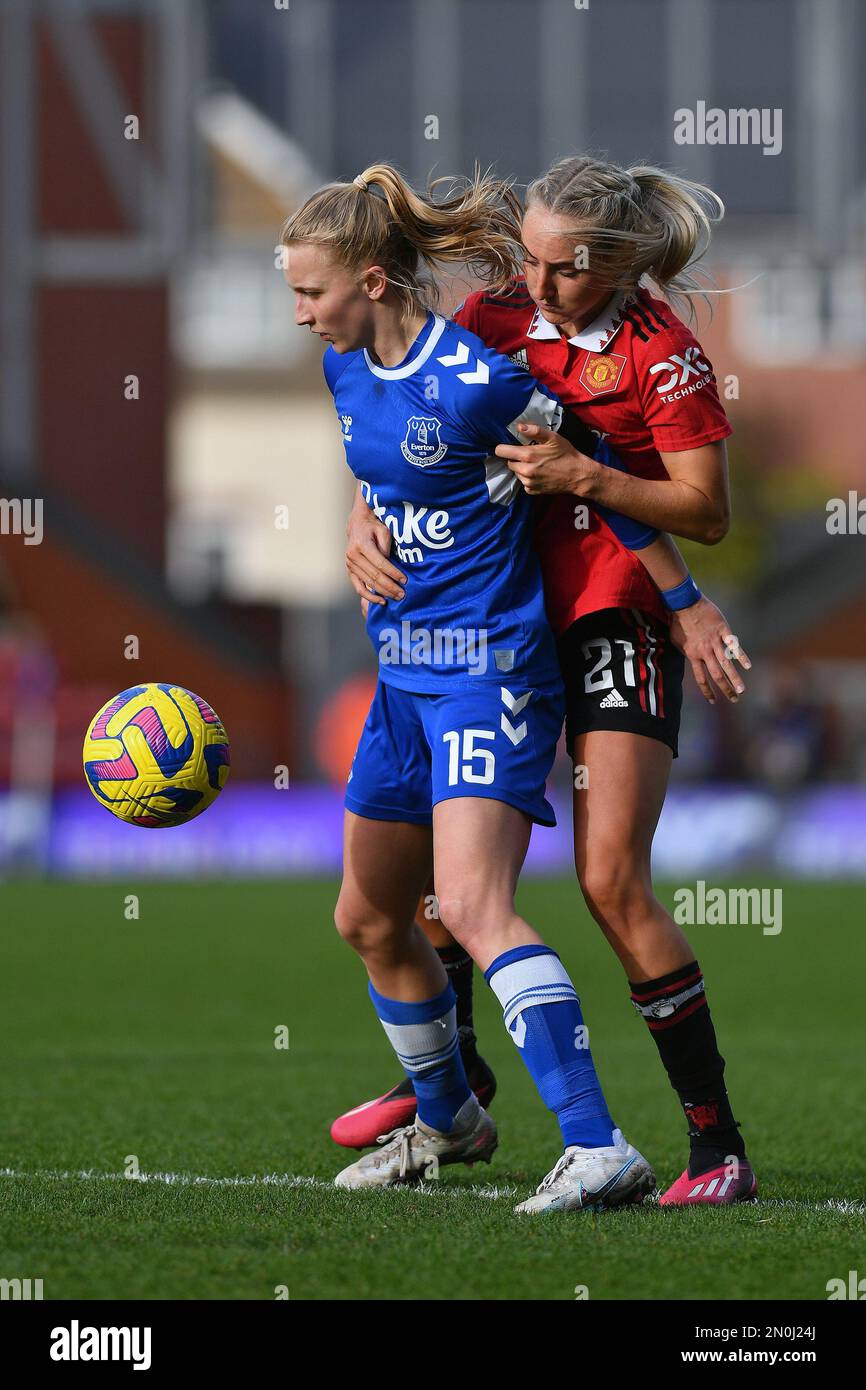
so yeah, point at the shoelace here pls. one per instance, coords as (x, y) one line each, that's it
(563, 1162)
(404, 1134)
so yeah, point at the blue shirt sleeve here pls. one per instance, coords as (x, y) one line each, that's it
(513, 396)
(509, 396)
(331, 366)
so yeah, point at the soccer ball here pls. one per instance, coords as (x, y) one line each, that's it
(156, 755)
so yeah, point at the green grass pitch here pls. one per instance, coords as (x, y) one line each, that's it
(155, 1039)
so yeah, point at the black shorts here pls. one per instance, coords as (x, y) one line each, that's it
(621, 671)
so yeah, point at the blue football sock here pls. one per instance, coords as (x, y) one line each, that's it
(542, 1013)
(424, 1037)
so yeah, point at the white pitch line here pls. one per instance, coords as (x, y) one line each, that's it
(491, 1192)
(843, 1206)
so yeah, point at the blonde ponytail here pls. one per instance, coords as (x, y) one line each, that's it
(633, 222)
(379, 219)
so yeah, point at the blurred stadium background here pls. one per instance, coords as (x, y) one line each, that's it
(161, 406)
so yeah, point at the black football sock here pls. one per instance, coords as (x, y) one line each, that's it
(677, 1014)
(459, 966)
(403, 1088)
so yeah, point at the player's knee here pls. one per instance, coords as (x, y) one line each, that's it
(359, 927)
(475, 920)
(616, 890)
(458, 916)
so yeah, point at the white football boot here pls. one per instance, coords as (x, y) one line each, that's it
(593, 1179)
(415, 1153)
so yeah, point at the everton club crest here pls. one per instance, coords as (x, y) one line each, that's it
(422, 445)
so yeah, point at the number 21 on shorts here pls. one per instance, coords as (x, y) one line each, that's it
(600, 677)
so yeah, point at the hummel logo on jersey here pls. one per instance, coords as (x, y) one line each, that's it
(613, 701)
(680, 368)
(514, 704)
(479, 376)
(347, 427)
(519, 359)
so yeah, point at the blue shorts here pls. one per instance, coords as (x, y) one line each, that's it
(494, 741)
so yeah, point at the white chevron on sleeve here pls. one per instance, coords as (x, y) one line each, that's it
(514, 703)
(455, 359)
(479, 377)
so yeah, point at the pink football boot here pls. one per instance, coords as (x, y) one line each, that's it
(717, 1188)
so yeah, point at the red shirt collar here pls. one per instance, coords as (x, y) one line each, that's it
(597, 335)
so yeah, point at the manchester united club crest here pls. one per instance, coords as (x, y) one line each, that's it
(422, 445)
(601, 372)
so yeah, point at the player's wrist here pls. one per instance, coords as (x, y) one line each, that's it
(587, 478)
(683, 596)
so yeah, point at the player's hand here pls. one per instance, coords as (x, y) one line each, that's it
(703, 635)
(547, 462)
(371, 573)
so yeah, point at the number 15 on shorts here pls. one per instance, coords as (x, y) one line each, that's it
(466, 762)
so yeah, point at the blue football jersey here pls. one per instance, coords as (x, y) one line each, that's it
(419, 438)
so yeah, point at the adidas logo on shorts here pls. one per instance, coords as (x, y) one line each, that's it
(613, 701)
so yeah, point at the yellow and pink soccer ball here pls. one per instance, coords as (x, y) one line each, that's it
(156, 755)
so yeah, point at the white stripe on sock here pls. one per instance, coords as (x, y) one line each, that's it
(420, 1046)
(525, 983)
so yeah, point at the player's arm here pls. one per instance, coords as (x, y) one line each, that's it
(536, 468)
(688, 430)
(693, 501)
(698, 627)
(371, 573)
(703, 634)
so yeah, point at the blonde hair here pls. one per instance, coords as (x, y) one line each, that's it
(634, 222)
(408, 234)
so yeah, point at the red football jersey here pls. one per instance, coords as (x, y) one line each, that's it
(639, 378)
